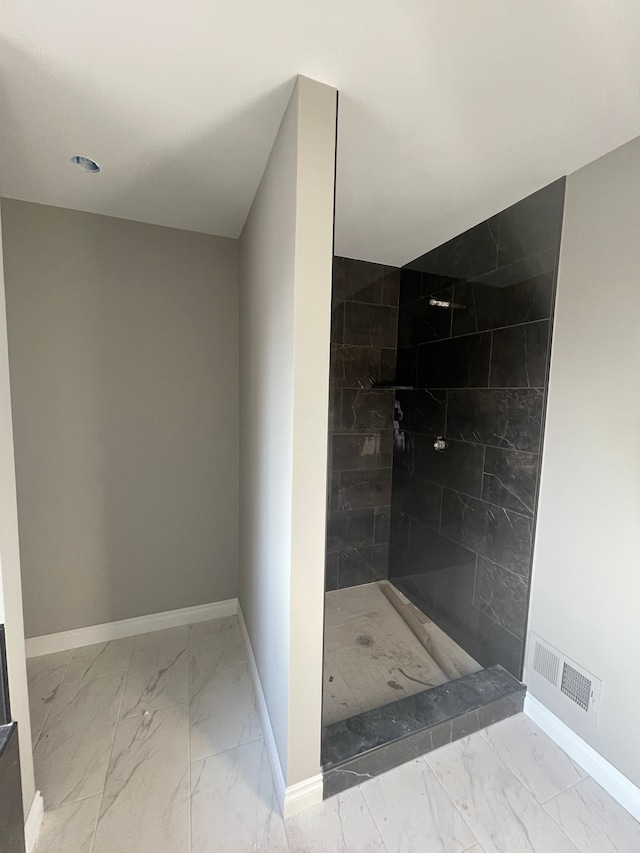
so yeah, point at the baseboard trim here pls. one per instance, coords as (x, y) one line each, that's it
(613, 781)
(302, 795)
(34, 822)
(77, 637)
(265, 719)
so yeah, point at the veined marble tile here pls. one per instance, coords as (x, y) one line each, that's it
(72, 753)
(101, 659)
(413, 813)
(233, 803)
(158, 673)
(217, 636)
(594, 821)
(542, 767)
(145, 807)
(502, 814)
(341, 824)
(70, 828)
(223, 710)
(44, 676)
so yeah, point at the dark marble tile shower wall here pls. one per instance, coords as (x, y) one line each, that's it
(462, 519)
(363, 354)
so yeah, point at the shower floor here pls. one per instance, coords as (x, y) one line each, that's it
(378, 648)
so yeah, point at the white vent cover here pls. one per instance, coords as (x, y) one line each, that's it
(555, 672)
(546, 663)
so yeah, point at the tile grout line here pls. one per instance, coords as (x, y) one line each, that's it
(369, 809)
(189, 733)
(568, 788)
(47, 715)
(113, 740)
(521, 784)
(557, 822)
(448, 795)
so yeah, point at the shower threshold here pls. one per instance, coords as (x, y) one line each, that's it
(396, 686)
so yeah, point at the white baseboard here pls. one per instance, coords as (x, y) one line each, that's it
(49, 643)
(34, 822)
(302, 795)
(605, 774)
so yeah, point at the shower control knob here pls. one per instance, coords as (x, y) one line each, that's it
(440, 443)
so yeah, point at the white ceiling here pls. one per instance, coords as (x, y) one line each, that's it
(450, 110)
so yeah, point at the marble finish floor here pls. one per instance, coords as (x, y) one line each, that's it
(153, 745)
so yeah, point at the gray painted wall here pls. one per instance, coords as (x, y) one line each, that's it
(11, 609)
(123, 346)
(586, 578)
(286, 256)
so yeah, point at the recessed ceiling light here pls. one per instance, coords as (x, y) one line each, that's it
(85, 163)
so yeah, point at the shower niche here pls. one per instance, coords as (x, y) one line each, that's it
(438, 390)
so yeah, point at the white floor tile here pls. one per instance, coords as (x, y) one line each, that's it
(145, 808)
(158, 673)
(542, 767)
(173, 686)
(212, 639)
(101, 659)
(72, 753)
(233, 803)
(341, 824)
(70, 828)
(44, 675)
(223, 710)
(502, 814)
(413, 813)
(594, 820)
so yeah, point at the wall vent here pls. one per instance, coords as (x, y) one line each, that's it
(576, 686)
(546, 663)
(557, 675)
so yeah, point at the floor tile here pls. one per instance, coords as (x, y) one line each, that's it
(213, 638)
(233, 803)
(594, 821)
(44, 675)
(500, 811)
(542, 767)
(72, 753)
(145, 808)
(223, 710)
(101, 659)
(413, 812)
(341, 824)
(158, 673)
(70, 828)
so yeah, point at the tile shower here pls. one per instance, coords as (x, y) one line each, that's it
(454, 347)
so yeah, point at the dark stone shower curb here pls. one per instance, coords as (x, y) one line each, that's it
(371, 743)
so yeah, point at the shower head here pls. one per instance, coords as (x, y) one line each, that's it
(441, 303)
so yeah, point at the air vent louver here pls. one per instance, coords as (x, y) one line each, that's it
(546, 663)
(576, 686)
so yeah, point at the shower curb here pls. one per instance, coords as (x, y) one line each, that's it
(371, 743)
